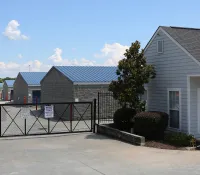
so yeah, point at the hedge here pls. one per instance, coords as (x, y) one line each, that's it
(123, 118)
(151, 125)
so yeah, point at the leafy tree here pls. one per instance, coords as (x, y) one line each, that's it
(133, 72)
(7, 78)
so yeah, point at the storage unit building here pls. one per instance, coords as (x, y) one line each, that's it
(27, 87)
(1, 90)
(8, 92)
(75, 83)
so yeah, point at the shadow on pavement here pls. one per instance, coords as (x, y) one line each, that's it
(96, 136)
(37, 136)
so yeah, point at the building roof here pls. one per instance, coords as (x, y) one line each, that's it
(33, 78)
(89, 74)
(1, 85)
(188, 38)
(10, 82)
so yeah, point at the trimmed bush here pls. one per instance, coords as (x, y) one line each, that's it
(151, 125)
(178, 139)
(123, 118)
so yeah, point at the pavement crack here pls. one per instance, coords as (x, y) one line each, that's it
(91, 167)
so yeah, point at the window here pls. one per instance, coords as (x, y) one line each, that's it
(160, 46)
(174, 108)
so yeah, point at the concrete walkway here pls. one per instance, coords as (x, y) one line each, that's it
(90, 154)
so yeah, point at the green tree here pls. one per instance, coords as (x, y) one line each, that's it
(133, 73)
(7, 78)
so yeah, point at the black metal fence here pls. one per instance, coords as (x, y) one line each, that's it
(107, 106)
(46, 118)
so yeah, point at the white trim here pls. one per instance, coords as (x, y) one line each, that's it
(182, 48)
(32, 85)
(188, 102)
(91, 83)
(162, 46)
(198, 108)
(180, 108)
(152, 38)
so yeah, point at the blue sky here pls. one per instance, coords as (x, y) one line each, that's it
(42, 33)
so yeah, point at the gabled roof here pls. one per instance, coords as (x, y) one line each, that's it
(89, 74)
(33, 78)
(188, 39)
(10, 83)
(1, 85)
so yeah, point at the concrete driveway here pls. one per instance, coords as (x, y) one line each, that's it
(89, 154)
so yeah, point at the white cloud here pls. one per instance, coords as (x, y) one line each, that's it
(12, 31)
(77, 62)
(57, 56)
(112, 53)
(35, 66)
(58, 60)
(20, 56)
(12, 69)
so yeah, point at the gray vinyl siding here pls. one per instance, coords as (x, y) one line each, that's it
(172, 68)
(20, 90)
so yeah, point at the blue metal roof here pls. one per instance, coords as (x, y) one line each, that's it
(33, 78)
(1, 85)
(89, 74)
(10, 82)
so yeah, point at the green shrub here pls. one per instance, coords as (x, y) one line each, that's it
(178, 139)
(151, 125)
(123, 118)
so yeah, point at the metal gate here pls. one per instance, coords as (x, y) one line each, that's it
(46, 118)
(107, 106)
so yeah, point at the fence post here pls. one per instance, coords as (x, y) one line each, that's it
(48, 125)
(25, 118)
(94, 124)
(70, 117)
(24, 99)
(36, 100)
(98, 108)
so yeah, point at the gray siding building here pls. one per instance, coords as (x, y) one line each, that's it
(75, 83)
(175, 53)
(27, 86)
(1, 90)
(8, 90)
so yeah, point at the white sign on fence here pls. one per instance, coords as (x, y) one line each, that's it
(3, 114)
(49, 111)
(25, 112)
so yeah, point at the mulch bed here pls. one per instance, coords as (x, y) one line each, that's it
(161, 145)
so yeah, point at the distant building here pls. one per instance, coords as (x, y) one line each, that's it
(8, 90)
(75, 83)
(27, 87)
(1, 90)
